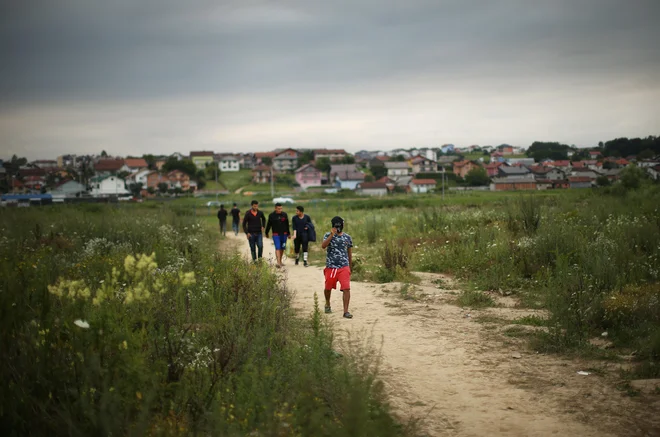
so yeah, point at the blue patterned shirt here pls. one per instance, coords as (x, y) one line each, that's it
(337, 251)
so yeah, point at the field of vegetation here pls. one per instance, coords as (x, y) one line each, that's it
(126, 320)
(590, 258)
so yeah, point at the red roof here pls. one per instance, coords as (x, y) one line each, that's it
(259, 155)
(385, 180)
(136, 162)
(35, 171)
(621, 161)
(594, 152)
(424, 181)
(261, 168)
(493, 165)
(579, 179)
(383, 158)
(373, 185)
(109, 165)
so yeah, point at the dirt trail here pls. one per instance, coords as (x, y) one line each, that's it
(460, 376)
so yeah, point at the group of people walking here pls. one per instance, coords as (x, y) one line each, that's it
(301, 230)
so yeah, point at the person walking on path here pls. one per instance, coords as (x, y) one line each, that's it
(278, 221)
(338, 261)
(235, 218)
(301, 223)
(253, 226)
(222, 217)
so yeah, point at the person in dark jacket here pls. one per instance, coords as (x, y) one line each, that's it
(253, 226)
(301, 222)
(235, 218)
(222, 217)
(278, 221)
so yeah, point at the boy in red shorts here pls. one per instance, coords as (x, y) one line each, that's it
(338, 261)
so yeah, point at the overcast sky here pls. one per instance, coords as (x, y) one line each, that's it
(159, 76)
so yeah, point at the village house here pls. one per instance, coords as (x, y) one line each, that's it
(247, 161)
(563, 164)
(521, 161)
(422, 185)
(159, 163)
(202, 159)
(154, 179)
(462, 168)
(550, 173)
(612, 174)
(107, 167)
(286, 160)
(139, 177)
(395, 168)
(446, 160)
(178, 179)
(263, 157)
(372, 189)
(513, 183)
(595, 154)
(261, 174)
(308, 176)
(131, 165)
(332, 154)
(491, 168)
(229, 163)
(654, 172)
(346, 176)
(377, 161)
(505, 150)
(68, 189)
(504, 171)
(585, 172)
(421, 164)
(579, 182)
(109, 186)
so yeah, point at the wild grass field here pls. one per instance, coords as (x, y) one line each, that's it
(126, 320)
(590, 258)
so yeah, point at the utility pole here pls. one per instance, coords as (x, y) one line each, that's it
(443, 183)
(272, 186)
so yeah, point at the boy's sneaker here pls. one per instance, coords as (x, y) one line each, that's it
(328, 310)
(305, 263)
(297, 261)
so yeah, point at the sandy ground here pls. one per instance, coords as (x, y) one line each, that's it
(461, 376)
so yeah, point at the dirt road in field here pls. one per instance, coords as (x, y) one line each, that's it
(469, 373)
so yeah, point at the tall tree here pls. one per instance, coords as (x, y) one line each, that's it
(184, 165)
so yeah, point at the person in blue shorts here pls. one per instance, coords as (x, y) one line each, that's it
(278, 221)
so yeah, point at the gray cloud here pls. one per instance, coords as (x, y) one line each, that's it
(354, 74)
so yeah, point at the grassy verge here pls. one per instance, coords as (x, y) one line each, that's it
(133, 324)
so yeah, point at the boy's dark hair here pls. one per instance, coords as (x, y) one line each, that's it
(278, 204)
(254, 202)
(222, 206)
(300, 208)
(234, 204)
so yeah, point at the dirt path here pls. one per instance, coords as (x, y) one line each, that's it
(460, 375)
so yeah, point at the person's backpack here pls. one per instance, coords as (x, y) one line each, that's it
(311, 231)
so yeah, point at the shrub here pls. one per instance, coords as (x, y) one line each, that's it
(395, 256)
(475, 299)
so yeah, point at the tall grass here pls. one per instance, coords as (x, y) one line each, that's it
(132, 324)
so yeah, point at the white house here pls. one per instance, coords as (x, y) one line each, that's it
(229, 163)
(109, 186)
(397, 168)
(422, 185)
(139, 177)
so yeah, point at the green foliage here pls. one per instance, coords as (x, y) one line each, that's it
(540, 150)
(625, 147)
(184, 165)
(378, 171)
(323, 164)
(603, 181)
(474, 299)
(477, 177)
(267, 160)
(632, 177)
(305, 157)
(125, 321)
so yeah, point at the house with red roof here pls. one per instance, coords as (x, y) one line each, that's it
(132, 165)
(261, 174)
(462, 168)
(372, 188)
(422, 185)
(332, 154)
(107, 167)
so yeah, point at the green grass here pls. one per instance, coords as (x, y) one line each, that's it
(160, 334)
(237, 179)
(474, 299)
(532, 320)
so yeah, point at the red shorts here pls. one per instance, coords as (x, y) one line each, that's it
(342, 275)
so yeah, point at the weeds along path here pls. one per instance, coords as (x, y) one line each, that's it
(458, 376)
